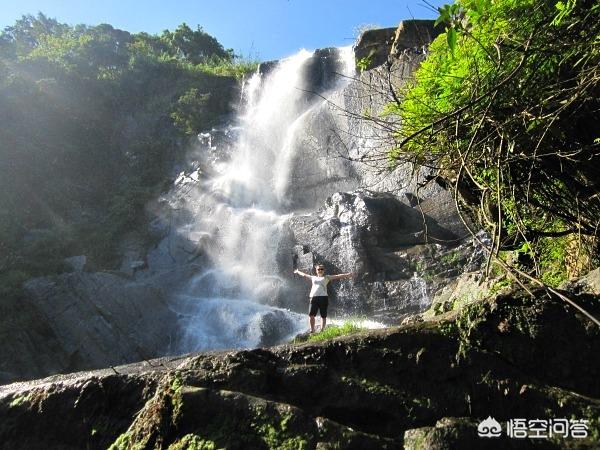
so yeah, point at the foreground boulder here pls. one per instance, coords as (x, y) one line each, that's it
(81, 320)
(423, 385)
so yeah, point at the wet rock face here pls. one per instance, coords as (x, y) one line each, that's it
(99, 406)
(320, 74)
(425, 385)
(95, 320)
(400, 233)
(379, 234)
(341, 150)
(394, 248)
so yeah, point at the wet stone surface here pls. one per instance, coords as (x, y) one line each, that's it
(423, 385)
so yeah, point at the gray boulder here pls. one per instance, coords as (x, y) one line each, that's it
(373, 46)
(414, 36)
(589, 284)
(378, 46)
(100, 319)
(396, 249)
(76, 263)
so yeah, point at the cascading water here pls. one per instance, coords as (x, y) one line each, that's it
(240, 209)
(419, 292)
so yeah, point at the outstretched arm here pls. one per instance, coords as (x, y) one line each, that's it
(302, 274)
(341, 276)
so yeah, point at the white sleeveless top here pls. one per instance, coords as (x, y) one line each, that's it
(319, 286)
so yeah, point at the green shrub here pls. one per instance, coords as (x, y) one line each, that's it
(504, 112)
(238, 68)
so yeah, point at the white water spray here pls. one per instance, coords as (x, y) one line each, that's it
(241, 211)
(419, 291)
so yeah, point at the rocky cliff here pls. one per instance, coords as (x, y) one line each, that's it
(421, 386)
(340, 208)
(403, 239)
(428, 383)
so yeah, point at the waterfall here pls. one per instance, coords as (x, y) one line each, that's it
(240, 207)
(419, 292)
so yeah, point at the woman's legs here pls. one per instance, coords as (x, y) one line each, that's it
(317, 304)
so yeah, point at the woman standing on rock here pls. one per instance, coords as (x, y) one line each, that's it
(318, 293)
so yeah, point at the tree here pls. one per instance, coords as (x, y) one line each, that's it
(505, 109)
(194, 46)
(190, 111)
(86, 133)
(26, 33)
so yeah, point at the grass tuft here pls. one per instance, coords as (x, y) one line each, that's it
(333, 331)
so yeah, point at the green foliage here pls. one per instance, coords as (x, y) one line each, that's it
(20, 400)
(274, 430)
(552, 260)
(448, 329)
(505, 112)
(123, 442)
(371, 386)
(450, 259)
(25, 35)
(564, 10)
(193, 46)
(225, 67)
(466, 327)
(93, 119)
(499, 285)
(193, 442)
(176, 382)
(333, 331)
(363, 63)
(190, 111)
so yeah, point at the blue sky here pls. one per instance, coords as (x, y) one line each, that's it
(258, 29)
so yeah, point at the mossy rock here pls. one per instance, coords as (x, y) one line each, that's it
(422, 385)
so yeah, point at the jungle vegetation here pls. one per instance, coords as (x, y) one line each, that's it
(92, 121)
(505, 110)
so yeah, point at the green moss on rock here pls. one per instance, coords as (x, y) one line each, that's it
(386, 388)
